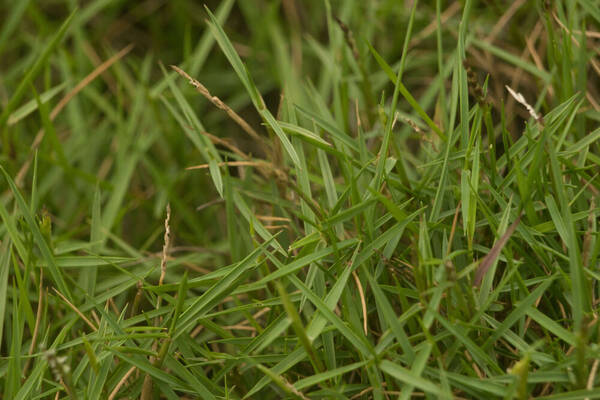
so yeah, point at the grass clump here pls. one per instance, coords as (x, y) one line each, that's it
(348, 200)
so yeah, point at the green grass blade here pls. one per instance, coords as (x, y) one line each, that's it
(406, 376)
(35, 70)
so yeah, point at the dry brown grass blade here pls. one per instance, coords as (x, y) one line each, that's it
(592, 376)
(267, 169)
(489, 259)
(272, 218)
(429, 29)
(231, 164)
(65, 100)
(362, 301)
(123, 380)
(453, 229)
(92, 55)
(588, 236)
(506, 17)
(210, 203)
(226, 143)
(81, 315)
(38, 318)
(86, 81)
(593, 62)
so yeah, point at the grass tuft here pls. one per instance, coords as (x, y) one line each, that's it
(363, 200)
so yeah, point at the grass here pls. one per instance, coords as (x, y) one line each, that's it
(272, 200)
